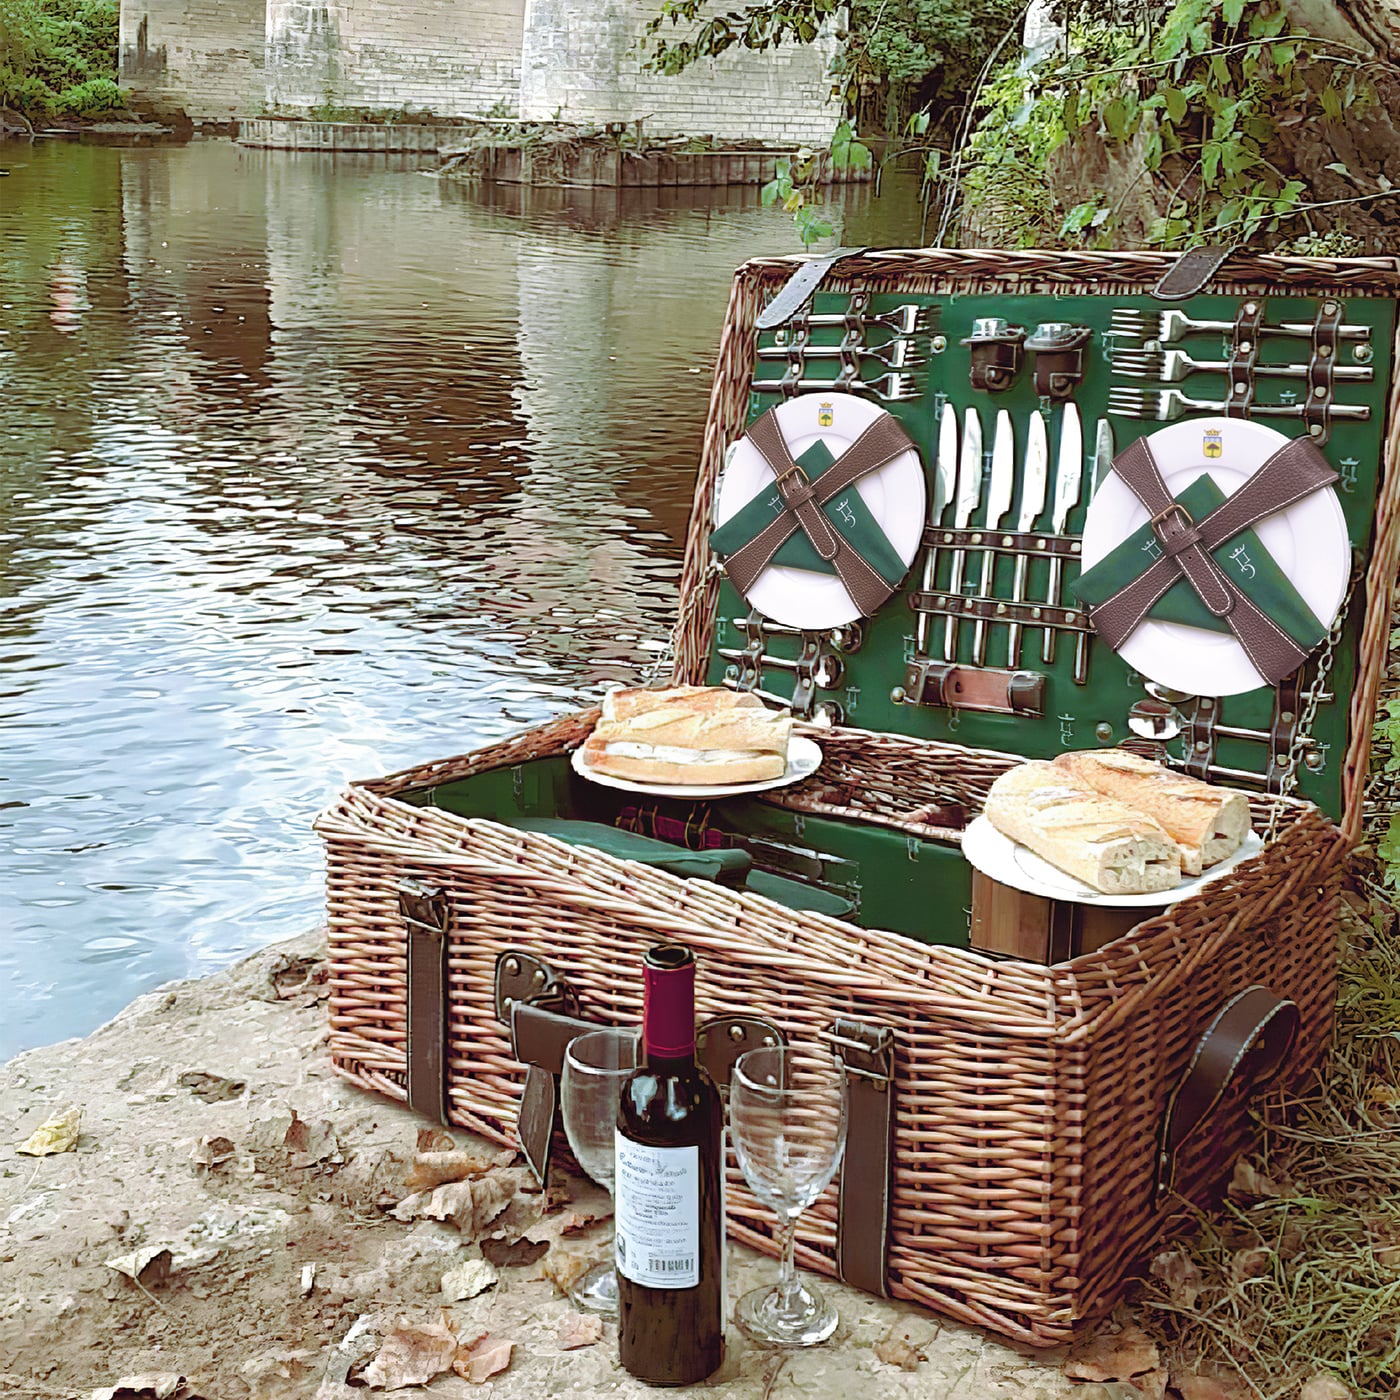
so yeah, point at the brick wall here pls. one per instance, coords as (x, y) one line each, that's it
(534, 58)
(204, 57)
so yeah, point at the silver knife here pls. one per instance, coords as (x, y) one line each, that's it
(1035, 477)
(1103, 464)
(1000, 486)
(944, 481)
(1069, 475)
(969, 493)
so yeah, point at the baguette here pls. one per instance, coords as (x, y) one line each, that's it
(1208, 823)
(703, 699)
(1108, 845)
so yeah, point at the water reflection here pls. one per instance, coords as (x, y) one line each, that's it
(312, 468)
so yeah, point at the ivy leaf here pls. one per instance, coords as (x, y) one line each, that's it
(1176, 103)
(1233, 11)
(768, 195)
(1210, 162)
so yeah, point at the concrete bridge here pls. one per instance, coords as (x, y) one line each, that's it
(572, 60)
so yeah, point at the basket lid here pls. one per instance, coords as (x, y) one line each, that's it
(1023, 364)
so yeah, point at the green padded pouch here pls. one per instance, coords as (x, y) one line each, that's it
(1243, 559)
(849, 516)
(796, 895)
(725, 867)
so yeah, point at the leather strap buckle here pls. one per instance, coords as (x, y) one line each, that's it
(426, 914)
(791, 469)
(867, 1051)
(1171, 508)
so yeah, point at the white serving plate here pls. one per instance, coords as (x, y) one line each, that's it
(804, 758)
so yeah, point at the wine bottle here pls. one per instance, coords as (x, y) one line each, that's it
(668, 1190)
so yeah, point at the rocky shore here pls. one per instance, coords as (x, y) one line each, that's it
(235, 1221)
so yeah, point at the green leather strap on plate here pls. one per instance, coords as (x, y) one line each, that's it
(848, 514)
(1243, 559)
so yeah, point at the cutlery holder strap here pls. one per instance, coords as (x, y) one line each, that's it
(1191, 272)
(1246, 1043)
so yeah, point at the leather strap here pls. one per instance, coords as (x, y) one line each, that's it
(1191, 272)
(426, 915)
(880, 443)
(863, 1222)
(1247, 1042)
(1244, 356)
(798, 289)
(1296, 470)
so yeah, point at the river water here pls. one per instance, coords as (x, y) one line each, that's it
(312, 467)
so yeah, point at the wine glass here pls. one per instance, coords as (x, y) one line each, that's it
(787, 1115)
(595, 1066)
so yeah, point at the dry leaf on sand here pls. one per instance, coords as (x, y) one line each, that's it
(212, 1088)
(896, 1349)
(579, 1330)
(564, 1268)
(411, 1356)
(309, 1143)
(521, 1214)
(432, 1169)
(1250, 1263)
(571, 1221)
(1180, 1276)
(514, 1254)
(56, 1134)
(1113, 1356)
(150, 1267)
(435, 1140)
(467, 1280)
(483, 1359)
(212, 1152)
(470, 1205)
(1206, 1388)
(1249, 1181)
(1324, 1387)
(156, 1386)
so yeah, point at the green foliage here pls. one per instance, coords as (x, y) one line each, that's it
(795, 181)
(59, 56)
(1385, 737)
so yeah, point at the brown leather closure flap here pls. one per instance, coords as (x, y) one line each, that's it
(1245, 1045)
(425, 913)
(1191, 272)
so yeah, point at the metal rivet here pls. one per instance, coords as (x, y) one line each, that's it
(1250, 308)
(1242, 387)
(1320, 391)
(1006, 541)
(977, 539)
(1315, 430)
(940, 601)
(512, 966)
(1362, 354)
(1040, 544)
(736, 1032)
(1324, 351)
(1246, 346)
(1074, 548)
(1202, 745)
(938, 344)
(947, 537)
(1001, 608)
(1329, 308)
(898, 695)
(1103, 731)
(1036, 613)
(1069, 617)
(539, 974)
(1313, 760)
(769, 1041)
(507, 1002)
(731, 673)
(1287, 716)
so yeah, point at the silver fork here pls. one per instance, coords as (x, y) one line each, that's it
(1166, 405)
(889, 387)
(1165, 326)
(897, 354)
(1172, 366)
(902, 320)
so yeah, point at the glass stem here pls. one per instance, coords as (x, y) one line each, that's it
(788, 1286)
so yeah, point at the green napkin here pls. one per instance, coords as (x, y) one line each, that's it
(1243, 558)
(849, 515)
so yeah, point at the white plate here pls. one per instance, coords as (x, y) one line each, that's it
(804, 758)
(1308, 542)
(896, 496)
(1010, 863)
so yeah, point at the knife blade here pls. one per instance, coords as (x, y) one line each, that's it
(944, 485)
(1035, 478)
(1000, 486)
(969, 493)
(1103, 464)
(1069, 476)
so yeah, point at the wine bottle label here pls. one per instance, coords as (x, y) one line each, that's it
(657, 1201)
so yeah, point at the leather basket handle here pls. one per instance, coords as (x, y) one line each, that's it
(1192, 272)
(1247, 1042)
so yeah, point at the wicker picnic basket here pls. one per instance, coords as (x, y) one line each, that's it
(1034, 1156)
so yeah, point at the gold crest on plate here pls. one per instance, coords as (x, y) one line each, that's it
(826, 415)
(1212, 444)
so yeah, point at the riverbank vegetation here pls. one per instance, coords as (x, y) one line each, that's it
(58, 58)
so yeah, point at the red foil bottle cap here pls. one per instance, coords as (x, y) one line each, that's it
(668, 1001)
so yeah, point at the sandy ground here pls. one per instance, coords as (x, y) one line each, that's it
(253, 1194)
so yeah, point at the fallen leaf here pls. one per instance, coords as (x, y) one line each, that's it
(432, 1169)
(158, 1385)
(574, 1220)
(309, 1144)
(467, 1280)
(483, 1359)
(470, 1205)
(298, 978)
(1324, 1386)
(515, 1254)
(897, 1350)
(520, 1215)
(1113, 1356)
(563, 1268)
(150, 1267)
(411, 1356)
(1250, 1263)
(579, 1330)
(435, 1140)
(1150, 1386)
(212, 1088)
(1248, 1180)
(1179, 1275)
(1205, 1388)
(212, 1152)
(56, 1134)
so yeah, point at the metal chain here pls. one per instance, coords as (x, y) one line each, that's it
(1302, 733)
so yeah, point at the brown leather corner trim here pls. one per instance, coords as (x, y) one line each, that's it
(426, 915)
(1189, 274)
(863, 1211)
(1250, 1037)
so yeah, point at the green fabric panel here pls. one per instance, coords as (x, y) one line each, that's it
(1268, 585)
(726, 866)
(849, 515)
(796, 895)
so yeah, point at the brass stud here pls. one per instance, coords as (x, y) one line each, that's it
(513, 966)
(539, 975)
(736, 1032)
(769, 1041)
(1001, 609)
(898, 695)
(1287, 716)
(1202, 745)
(938, 344)
(1006, 541)
(1040, 544)
(1329, 308)
(1362, 354)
